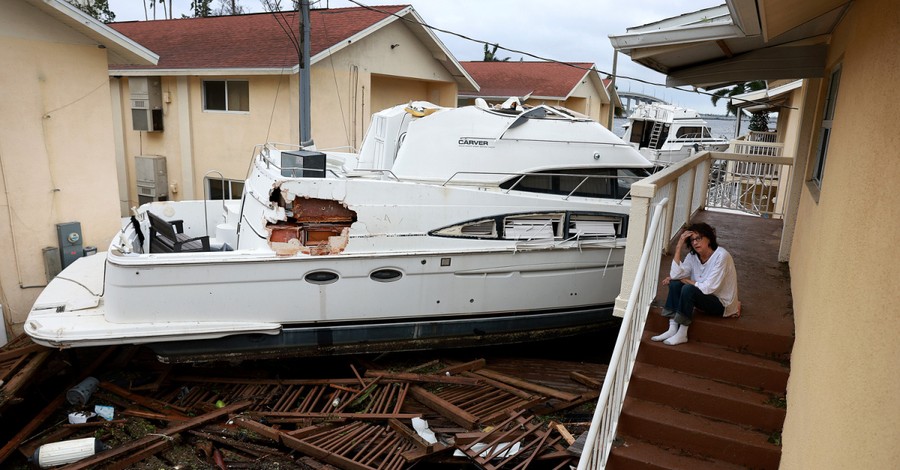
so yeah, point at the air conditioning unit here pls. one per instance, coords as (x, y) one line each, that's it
(152, 178)
(146, 103)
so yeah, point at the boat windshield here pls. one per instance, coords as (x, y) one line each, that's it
(611, 183)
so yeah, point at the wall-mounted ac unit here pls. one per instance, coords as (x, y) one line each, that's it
(152, 178)
(146, 103)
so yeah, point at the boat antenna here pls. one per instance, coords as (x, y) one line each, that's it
(305, 128)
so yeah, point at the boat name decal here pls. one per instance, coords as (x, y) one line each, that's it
(471, 142)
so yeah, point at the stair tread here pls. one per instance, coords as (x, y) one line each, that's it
(700, 348)
(656, 412)
(706, 397)
(699, 385)
(634, 452)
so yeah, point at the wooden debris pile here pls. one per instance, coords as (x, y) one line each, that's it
(439, 412)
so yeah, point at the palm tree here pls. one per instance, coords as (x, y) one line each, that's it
(736, 89)
(490, 55)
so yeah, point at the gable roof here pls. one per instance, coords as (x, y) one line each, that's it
(543, 80)
(266, 43)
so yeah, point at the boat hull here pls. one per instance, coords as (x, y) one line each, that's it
(414, 334)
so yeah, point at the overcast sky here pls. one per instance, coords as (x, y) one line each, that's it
(566, 30)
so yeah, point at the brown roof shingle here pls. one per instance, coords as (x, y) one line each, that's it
(256, 40)
(541, 79)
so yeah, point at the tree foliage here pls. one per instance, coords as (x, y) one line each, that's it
(736, 89)
(99, 9)
(201, 8)
(759, 121)
(490, 55)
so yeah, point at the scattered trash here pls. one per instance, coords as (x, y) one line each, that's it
(79, 417)
(104, 411)
(81, 393)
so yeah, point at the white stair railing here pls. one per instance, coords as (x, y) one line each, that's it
(618, 374)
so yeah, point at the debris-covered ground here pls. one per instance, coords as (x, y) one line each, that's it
(118, 407)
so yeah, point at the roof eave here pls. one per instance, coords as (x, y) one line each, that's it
(120, 48)
(221, 71)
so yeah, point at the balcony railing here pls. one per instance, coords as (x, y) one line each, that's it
(675, 194)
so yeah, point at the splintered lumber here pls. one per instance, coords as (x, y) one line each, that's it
(149, 403)
(140, 454)
(444, 407)
(583, 379)
(464, 367)
(151, 440)
(408, 377)
(288, 417)
(152, 415)
(21, 378)
(525, 385)
(355, 446)
(19, 352)
(561, 429)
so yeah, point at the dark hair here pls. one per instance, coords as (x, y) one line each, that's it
(705, 230)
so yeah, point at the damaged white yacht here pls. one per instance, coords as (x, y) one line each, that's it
(452, 226)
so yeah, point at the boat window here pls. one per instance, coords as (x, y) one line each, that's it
(321, 277)
(594, 227)
(627, 177)
(596, 182)
(690, 132)
(533, 227)
(386, 275)
(486, 228)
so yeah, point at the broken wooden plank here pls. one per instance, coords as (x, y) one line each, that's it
(470, 366)
(561, 429)
(290, 417)
(165, 434)
(299, 445)
(19, 352)
(583, 379)
(444, 408)
(140, 454)
(149, 403)
(152, 415)
(523, 384)
(24, 375)
(428, 378)
(411, 434)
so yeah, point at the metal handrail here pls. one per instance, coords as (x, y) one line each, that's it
(206, 196)
(612, 396)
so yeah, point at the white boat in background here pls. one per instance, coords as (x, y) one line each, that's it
(452, 226)
(667, 134)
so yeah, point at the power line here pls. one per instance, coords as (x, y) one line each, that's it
(535, 56)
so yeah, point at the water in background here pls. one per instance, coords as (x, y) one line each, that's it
(723, 127)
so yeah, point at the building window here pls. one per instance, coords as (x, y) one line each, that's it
(217, 188)
(226, 95)
(818, 169)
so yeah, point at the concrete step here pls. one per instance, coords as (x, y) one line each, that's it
(734, 333)
(716, 362)
(705, 397)
(697, 436)
(636, 454)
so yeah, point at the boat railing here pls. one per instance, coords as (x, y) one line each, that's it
(605, 421)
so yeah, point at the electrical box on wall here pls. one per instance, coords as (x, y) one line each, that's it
(70, 243)
(146, 103)
(152, 178)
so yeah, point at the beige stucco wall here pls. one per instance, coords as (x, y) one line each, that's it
(843, 410)
(357, 80)
(56, 149)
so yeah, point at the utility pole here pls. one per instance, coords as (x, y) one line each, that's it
(305, 127)
(612, 89)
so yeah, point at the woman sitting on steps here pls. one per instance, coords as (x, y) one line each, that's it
(705, 279)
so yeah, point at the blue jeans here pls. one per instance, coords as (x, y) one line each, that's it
(684, 297)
